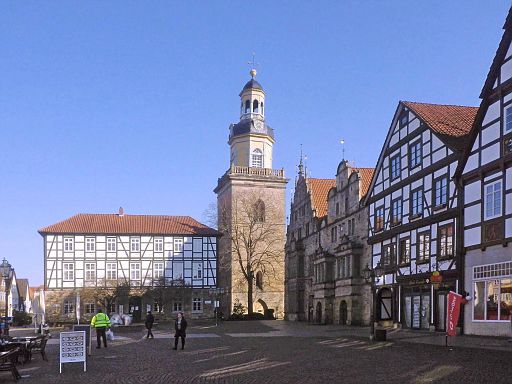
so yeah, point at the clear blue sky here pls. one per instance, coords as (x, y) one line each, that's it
(128, 103)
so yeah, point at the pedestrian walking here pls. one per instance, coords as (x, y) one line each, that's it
(150, 319)
(180, 326)
(101, 322)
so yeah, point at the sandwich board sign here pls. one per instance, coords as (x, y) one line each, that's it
(88, 341)
(72, 348)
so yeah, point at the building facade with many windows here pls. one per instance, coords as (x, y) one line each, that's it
(486, 179)
(128, 264)
(326, 249)
(413, 207)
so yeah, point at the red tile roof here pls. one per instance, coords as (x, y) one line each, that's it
(130, 224)
(366, 175)
(452, 122)
(319, 189)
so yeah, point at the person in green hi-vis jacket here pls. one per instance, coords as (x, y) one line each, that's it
(101, 322)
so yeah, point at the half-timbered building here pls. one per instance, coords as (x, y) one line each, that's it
(326, 249)
(138, 255)
(413, 211)
(486, 184)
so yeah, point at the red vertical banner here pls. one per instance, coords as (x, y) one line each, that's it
(452, 313)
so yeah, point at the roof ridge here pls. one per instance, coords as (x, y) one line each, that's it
(438, 105)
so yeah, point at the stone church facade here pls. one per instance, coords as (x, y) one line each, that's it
(249, 184)
(326, 249)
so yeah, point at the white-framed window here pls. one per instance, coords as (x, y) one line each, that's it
(68, 271)
(111, 244)
(395, 166)
(441, 191)
(423, 247)
(159, 244)
(508, 119)
(177, 305)
(90, 308)
(111, 269)
(197, 304)
(69, 244)
(493, 300)
(158, 270)
(135, 244)
(90, 244)
(388, 255)
(198, 271)
(415, 154)
(417, 202)
(379, 219)
(257, 158)
(69, 306)
(134, 271)
(445, 241)
(90, 271)
(178, 245)
(396, 211)
(492, 203)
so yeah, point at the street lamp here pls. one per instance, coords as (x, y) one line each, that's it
(6, 270)
(372, 276)
(216, 292)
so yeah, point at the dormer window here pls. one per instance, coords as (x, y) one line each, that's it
(257, 159)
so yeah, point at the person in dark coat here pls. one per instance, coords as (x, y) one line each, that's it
(180, 326)
(150, 319)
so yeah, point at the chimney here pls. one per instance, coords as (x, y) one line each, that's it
(121, 212)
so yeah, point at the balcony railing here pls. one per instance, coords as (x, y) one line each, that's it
(237, 170)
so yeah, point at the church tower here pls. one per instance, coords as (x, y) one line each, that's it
(251, 212)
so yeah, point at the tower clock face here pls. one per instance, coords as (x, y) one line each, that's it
(259, 126)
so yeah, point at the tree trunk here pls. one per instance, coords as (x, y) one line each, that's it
(249, 294)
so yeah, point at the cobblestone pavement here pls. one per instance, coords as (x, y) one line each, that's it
(271, 352)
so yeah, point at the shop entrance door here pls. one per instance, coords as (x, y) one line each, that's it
(441, 311)
(417, 311)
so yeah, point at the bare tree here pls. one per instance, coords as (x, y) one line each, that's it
(164, 290)
(106, 292)
(253, 226)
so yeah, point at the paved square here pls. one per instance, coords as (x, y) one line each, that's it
(273, 352)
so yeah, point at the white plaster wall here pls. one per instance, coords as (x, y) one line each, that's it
(508, 228)
(506, 71)
(472, 215)
(493, 112)
(414, 124)
(491, 153)
(472, 236)
(472, 192)
(491, 133)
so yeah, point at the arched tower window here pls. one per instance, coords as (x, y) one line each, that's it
(257, 158)
(247, 106)
(242, 107)
(255, 106)
(261, 107)
(259, 211)
(259, 280)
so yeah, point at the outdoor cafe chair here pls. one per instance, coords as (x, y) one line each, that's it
(8, 362)
(38, 346)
